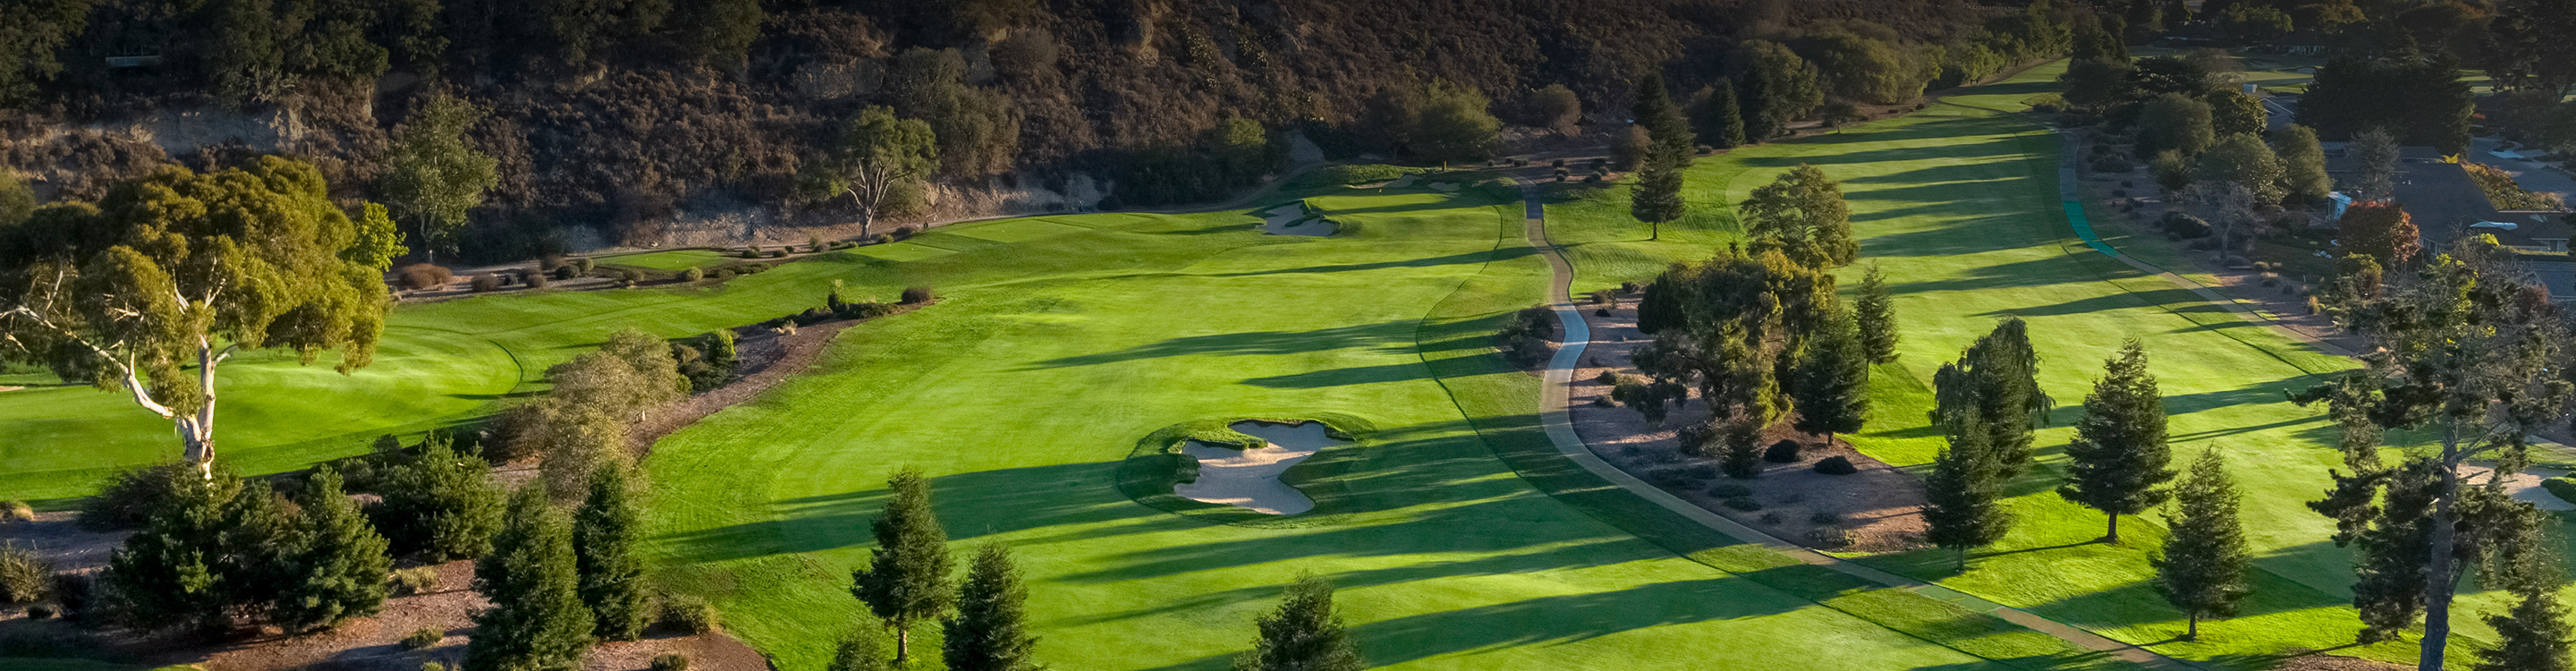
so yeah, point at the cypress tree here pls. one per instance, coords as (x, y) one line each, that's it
(906, 579)
(537, 621)
(440, 504)
(2118, 462)
(991, 629)
(1665, 123)
(1832, 385)
(1657, 198)
(1961, 498)
(612, 577)
(2532, 635)
(1740, 437)
(1877, 315)
(2201, 569)
(341, 574)
(1998, 379)
(1722, 120)
(1303, 634)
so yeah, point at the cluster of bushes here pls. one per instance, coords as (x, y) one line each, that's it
(1523, 340)
(2507, 194)
(1354, 174)
(420, 276)
(708, 361)
(214, 550)
(585, 420)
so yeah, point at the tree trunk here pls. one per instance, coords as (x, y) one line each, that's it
(2113, 537)
(902, 645)
(2440, 583)
(1962, 554)
(1655, 230)
(2191, 632)
(867, 213)
(197, 431)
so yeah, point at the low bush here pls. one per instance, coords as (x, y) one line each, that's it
(903, 232)
(2185, 226)
(1604, 402)
(684, 613)
(485, 283)
(1729, 490)
(1836, 465)
(1743, 503)
(16, 511)
(583, 266)
(72, 594)
(1829, 537)
(420, 276)
(24, 577)
(1783, 452)
(1601, 312)
(416, 580)
(422, 638)
(536, 280)
(916, 295)
(692, 274)
(432, 666)
(1606, 378)
(779, 253)
(670, 661)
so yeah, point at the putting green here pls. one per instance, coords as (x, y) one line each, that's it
(1960, 208)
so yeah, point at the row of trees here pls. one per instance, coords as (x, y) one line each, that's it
(984, 619)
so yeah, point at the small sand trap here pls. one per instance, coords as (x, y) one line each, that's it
(4, 387)
(1249, 479)
(1291, 219)
(2523, 486)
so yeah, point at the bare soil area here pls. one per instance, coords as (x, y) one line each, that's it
(1877, 509)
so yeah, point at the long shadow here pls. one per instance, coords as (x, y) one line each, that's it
(1393, 337)
(998, 501)
(1465, 258)
(2183, 300)
(2018, 274)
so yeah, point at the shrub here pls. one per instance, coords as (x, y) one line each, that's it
(2185, 225)
(724, 273)
(16, 511)
(1604, 401)
(778, 253)
(916, 295)
(686, 614)
(72, 592)
(486, 283)
(1836, 465)
(1783, 452)
(129, 497)
(1729, 490)
(432, 666)
(903, 232)
(24, 577)
(40, 612)
(1606, 378)
(692, 274)
(583, 265)
(2314, 307)
(670, 661)
(422, 638)
(536, 280)
(1743, 503)
(420, 276)
(1829, 537)
(416, 580)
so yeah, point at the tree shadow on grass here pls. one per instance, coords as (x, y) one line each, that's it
(1391, 337)
(1463, 258)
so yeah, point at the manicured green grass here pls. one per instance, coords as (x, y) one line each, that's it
(1023, 392)
(1960, 207)
(674, 260)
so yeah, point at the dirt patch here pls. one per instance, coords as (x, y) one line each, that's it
(1249, 478)
(1877, 509)
(57, 537)
(2334, 663)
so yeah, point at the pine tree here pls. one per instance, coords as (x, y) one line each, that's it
(1997, 378)
(1740, 438)
(1657, 198)
(537, 621)
(906, 579)
(1670, 129)
(991, 629)
(860, 652)
(1722, 119)
(341, 574)
(1962, 503)
(1303, 634)
(612, 577)
(1832, 379)
(2118, 462)
(166, 575)
(2532, 635)
(2202, 568)
(1877, 315)
(440, 504)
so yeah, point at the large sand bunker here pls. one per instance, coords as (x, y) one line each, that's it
(1249, 479)
(1291, 219)
(2523, 486)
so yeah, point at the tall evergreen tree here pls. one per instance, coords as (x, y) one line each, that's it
(341, 574)
(1962, 505)
(1303, 634)
(2202, 567)
(2533, 634)
(1831, 381)
(1721, 119)
(991, 629)
(2118, 462)
(604, 534)
(1876, 313)
(537, 621)
(1993, 390)
(1665, 123)
(906, 579)
(1657, 198)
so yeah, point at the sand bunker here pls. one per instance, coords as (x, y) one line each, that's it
(1249, 479)
(4, 387)
(2523, 486)
(1291, 219)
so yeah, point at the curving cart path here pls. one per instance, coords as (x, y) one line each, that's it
(1555, 407)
